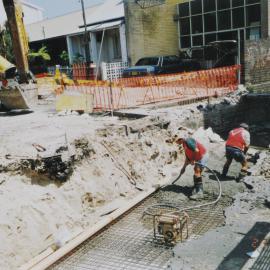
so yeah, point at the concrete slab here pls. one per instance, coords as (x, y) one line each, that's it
(75, 102)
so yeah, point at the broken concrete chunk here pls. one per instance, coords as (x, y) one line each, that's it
(148, 143)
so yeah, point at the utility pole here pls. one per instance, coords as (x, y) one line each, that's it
(86, 43)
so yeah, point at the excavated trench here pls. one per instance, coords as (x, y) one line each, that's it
(128, 242)
(253, 109)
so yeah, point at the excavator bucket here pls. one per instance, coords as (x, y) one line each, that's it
(19, 97)
(7, 69)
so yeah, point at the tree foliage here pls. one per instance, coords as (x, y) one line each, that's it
(64, 57)
(6, 48)
(42, 54)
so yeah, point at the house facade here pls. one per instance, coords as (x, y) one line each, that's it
(127, 30)
(105, 24)
(32, 13)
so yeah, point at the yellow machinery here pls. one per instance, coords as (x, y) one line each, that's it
(19, 38)
(7, 70)
(17, 88)
(170, 227)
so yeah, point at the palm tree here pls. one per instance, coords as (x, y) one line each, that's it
(42, 53)
(38, 59)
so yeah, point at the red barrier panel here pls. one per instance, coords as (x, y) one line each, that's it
(133, 92)
(79, 71)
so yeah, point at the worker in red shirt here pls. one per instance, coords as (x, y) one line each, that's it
(196, 154)
(236, 148)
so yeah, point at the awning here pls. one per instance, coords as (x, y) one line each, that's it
(104, 26)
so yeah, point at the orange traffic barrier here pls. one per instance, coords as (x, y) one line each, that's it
(137, 91)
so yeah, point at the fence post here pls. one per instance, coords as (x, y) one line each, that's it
(104, 71)
(111, 96)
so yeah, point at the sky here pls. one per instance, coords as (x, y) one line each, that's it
(53, 8)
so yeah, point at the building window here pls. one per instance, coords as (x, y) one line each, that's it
(210, 38)
(237, 3)
(185, 26)
(197, 40)
(252, 2)
(184, 9)
(253, 33)
(253, 15)
(185, 42)
(224, 20)
(210, 24)
(196, 7)
(228, 35)
(223, 4)
(209, 5)
(203, 21)
(238, 15)
(197, 24)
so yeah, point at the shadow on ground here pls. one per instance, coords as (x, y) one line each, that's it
(187, 191)
(14, 113)
(237, 258)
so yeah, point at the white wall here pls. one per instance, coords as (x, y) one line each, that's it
(31, 14)
(108, 53)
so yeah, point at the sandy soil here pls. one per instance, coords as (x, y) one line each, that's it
(38, 209)
(42, 206)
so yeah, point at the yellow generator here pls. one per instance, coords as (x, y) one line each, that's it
(169, 227)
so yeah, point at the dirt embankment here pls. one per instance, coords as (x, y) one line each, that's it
(89, 167)
(59, 175)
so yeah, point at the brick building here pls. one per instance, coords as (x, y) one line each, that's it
(177, 25)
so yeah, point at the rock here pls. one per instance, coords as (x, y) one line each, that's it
(64, 113)
(155, 155)
(226, 101)
(241, 89)
(148, 143)
(74, 113)
(267, 202)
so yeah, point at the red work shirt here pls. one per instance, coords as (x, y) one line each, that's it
(236, 139)
(192, 155)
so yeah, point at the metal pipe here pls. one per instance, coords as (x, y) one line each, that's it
(86, 42)
(99, 55)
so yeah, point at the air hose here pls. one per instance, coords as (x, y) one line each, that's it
(148, 212)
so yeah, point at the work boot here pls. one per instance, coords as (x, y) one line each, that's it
(225, 171)
(197, 193)
(242, 175)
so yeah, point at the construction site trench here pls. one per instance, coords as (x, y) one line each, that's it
(66, 172)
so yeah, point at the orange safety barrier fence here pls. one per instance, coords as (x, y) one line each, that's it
(79, 71)
(137, 91)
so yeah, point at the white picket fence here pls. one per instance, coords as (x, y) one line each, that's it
(113, 71)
